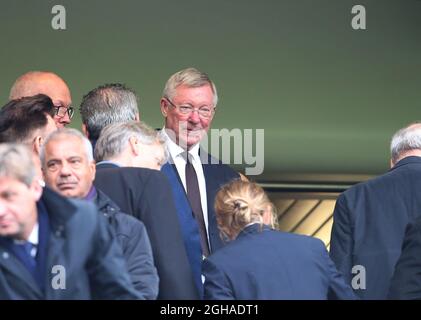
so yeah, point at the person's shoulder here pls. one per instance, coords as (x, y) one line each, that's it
(217, 167)
(85, 208)
(133, 173)
(128, 222)
(287, 239)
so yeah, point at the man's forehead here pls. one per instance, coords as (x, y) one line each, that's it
(8, 183)
(73, 145)
(53, 87)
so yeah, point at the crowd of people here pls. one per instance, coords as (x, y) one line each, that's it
(119, 210)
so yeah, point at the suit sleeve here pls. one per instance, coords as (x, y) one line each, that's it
(107, 270)
(406, 280)
(338, 288)
(341, 241)
(216, 285)
(138, 254)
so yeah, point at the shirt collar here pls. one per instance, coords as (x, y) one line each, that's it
(175, 150)
(108, 162)
(33, 236)
(91, 194)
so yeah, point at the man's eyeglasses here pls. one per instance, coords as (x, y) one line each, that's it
(204, 112)
(60, 111)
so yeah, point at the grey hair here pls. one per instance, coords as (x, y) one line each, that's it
(107, 104)
(191, 78)
(67, 132)
(406, 139)
(16, 162)
(115, 138)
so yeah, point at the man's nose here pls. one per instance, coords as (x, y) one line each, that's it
(194, 116)
(65, 169)
(65, 119)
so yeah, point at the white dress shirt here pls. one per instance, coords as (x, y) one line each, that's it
(176, 153)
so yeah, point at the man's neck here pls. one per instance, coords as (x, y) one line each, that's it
(410, 153)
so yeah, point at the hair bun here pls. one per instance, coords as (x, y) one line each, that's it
(240, 205)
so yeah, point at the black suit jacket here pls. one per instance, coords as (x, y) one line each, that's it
(216, 175)
(406, 281)
(146, 195)
(369, 225)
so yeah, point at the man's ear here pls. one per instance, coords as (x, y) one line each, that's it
(37, 144)
(392, 164)
(92, 166)
(85, 130)
(137, 117)
(164, 107)
(134, 145)
(36, 189)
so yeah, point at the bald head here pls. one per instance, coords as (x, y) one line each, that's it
(48, 83)
(406, 142)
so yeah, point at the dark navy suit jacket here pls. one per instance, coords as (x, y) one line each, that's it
(146, 194)
(369, 225)
(216, 174)
(268, 264)
(406, 281)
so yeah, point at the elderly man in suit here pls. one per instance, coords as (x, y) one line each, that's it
(51, 247)
(141, 192)
(370, 218)
(188, 105)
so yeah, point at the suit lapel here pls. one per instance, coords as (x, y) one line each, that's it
(171, 166)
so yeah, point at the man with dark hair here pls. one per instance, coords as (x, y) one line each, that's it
(28, 121)
(107, 104)
(50, 84)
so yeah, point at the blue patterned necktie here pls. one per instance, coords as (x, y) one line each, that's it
(28, 246)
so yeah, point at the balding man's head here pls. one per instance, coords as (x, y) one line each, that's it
(50, 84)
(406, 142)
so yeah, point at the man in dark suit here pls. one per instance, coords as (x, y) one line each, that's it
(140, 192)
(51, 247)
(188, 105)
(370, 218)
(406, 280)
(69, 169)
(146, 194)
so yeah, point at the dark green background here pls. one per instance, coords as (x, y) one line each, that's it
(328, 97)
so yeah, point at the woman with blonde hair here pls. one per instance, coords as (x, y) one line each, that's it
(260, 262)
